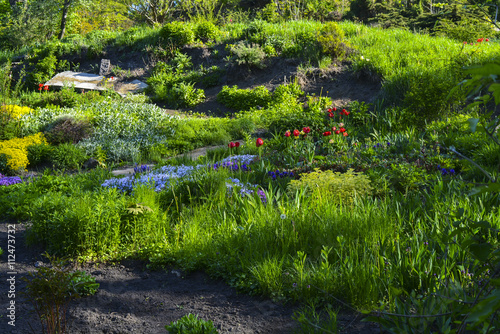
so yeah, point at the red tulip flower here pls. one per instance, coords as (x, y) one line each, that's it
(334, 128)
(306, 129)
(487, 40)
(337, 132)
(231, 145)
(334, 109)
(237, 144)
(45, 87)
(40, 85)
(330, 114)
(287, 134)
(342, 130)
(259, 142)
(327, 133)
(345, 134)
(296, 133)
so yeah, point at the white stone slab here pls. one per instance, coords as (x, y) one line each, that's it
(79, 80)
(133, 87)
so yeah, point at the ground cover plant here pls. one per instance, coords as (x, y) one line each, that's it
(390, 208)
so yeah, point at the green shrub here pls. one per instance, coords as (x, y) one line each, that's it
(331, 38)
(244, 99)
(191, 324)
(177, 34)
(251, 55)
(206, 30)
(44, 70)
(329, 186)
(68, 156)
(39, 153)
(185, 95)
(67, 130)
(52, 288)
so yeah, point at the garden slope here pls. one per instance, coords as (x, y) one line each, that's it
(336, 81)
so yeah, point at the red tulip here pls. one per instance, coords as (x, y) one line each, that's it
(334, 109)
(334, 128)
(337, 132)
(287, 134)
(40, 85)
(330, 114)
(237, 144)
(345, 134)
(231, 145)
(487, 40)
(296, 133)
(46, 87)
(342, 130)
(259, 142)
(326, 133)
(306, 129)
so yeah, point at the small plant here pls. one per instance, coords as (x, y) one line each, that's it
(338, 187)
(331, 38)
(52, 288)
(206, 30)
(68, 156)
(244, 99)
(191, 324)
(67, 130)
(251, 55)
(177, 34)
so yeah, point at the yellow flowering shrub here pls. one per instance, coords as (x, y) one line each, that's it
(16, 150)
(15, 111)
(336, 187)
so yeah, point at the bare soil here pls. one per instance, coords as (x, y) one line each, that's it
(134, 299)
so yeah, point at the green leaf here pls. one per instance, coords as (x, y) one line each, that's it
(485, 308)
(473, 123)
(481, 251)
(484, 70)
(495, 88)
(491, 187)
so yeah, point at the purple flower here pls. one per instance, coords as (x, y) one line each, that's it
(9, 180)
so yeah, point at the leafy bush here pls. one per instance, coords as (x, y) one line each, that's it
(251, 55)
(177, 34)
(51, 289)
(39, 153)
(191, 324)
(206, 30)
(337, 187)
(244, 99)
(68, 156)
(331, 38)
(67, 130)
(44, 70)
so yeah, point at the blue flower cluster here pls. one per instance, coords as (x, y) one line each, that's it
(245, 189)
(141, 169)
(378, 145)
(160, 178)
(9, 180)
(232, 166)
(445, 171)
(275, 174)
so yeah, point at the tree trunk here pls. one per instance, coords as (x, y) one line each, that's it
(67, 4)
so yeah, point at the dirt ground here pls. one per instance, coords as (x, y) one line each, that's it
(133, 299)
